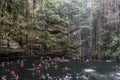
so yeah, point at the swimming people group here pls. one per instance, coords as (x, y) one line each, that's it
(37, 70)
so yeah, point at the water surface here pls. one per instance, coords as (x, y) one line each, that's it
(59, 68)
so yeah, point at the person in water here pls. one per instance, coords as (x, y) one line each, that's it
(14, 76)
(3, 78)
(85, 76)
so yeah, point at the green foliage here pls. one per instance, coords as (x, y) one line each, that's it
(51, 17)
(108, 52)
(65, 51)
(49, 23)
(112, 43)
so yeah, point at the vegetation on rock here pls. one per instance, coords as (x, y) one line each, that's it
(61, 26)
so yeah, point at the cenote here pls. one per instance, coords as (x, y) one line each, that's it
(61, 33)
(60, 68)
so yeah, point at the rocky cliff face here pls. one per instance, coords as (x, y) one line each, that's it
(11, 44)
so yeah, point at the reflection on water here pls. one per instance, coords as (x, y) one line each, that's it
(55, 68)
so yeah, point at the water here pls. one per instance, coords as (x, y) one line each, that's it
(60, 69)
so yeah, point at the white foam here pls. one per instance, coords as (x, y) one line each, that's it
(108, 60)
(118, 74)
(89, 70)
